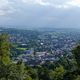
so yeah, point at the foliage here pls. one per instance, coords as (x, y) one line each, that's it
(4, 49)
(76, 53)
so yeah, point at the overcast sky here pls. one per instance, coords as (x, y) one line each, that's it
(40, 13)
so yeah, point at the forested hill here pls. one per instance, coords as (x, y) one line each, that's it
(64, 69)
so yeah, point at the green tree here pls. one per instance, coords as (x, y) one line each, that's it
(57, 74)
(78, 77)
(28, 78)
(4, 72)
(16, 71)
(4, 49)
(33, 73)
(43, 73)
(76, 53)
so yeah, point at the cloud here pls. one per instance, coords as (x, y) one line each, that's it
(10, 6)
(6, 7)
(55, 3)
(75, 3)
(44, 3)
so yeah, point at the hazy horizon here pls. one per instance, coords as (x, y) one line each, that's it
(40, 13)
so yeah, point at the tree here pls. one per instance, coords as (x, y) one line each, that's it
(43, 73)
(16, 71)
(28, 78)
(76, 53)
(4, 71)
(20, 69)
(78, 77)
(33, 73)
(4, 49)
(57, 74)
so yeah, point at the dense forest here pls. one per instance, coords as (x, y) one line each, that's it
(67, 68)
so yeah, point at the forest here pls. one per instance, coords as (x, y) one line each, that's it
(67, 68)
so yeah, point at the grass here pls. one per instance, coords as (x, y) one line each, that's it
(22, 49)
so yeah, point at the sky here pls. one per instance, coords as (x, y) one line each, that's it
(40, 13)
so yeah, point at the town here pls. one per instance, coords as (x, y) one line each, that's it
(37, 47)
